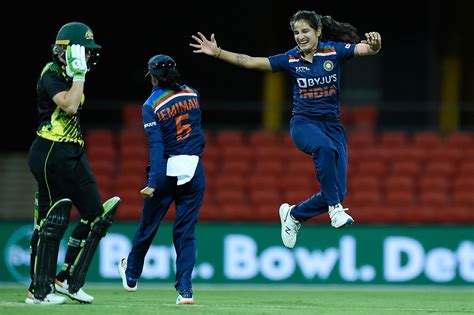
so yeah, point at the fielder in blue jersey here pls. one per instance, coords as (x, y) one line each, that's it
(314, 66)
(172, 121)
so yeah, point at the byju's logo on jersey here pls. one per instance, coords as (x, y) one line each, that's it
(328, 65)
(310, 82)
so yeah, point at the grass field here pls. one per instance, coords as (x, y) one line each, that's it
(255, 300)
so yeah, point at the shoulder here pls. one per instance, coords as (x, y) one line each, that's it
(326, 48)
(51, 70)
(295, 51)
(51, 67)
(334, 47)
(188, 89)
(151, 100)
(290, 55)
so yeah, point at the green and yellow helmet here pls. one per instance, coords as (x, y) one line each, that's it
(76, 33)
(79, 34)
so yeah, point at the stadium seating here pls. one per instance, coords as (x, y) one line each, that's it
(423, 177)
(372, 167)
(132, 116)
(393, 139)
(101, 153)
(434, 183)
(426, 140)
(345, 113)
(364, 117)
(262, 139)
(229, 138)
(361, 139)
(406, 168)
(100, 138)
(460, 140)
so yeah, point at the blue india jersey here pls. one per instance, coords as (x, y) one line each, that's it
(172, 121)
(316, 85)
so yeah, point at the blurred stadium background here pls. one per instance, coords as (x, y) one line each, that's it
(408, 112)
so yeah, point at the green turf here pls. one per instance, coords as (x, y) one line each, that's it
(255, 300)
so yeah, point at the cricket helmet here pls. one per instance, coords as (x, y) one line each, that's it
(76, 33)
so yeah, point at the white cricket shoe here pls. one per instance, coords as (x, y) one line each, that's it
(289, 226)
(185, 298)
(339, 217)
(121, 268)
(80, 296)
(50, 299)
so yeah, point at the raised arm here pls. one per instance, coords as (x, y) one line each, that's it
(370, 46)
(69, 101)
(209, 47)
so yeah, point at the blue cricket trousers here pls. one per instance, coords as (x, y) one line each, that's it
(188, 199)
(326, 143)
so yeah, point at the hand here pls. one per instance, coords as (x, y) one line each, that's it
(76, 62)
(147, 192)
(374, 40)
(205, 46)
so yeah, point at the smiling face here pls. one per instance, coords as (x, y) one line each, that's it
(306, 36)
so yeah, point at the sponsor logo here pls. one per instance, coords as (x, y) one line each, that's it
(150, 124)
(89, 35)
(305, 82)
(159, 263)
(302, 69)
(403, 259)
(347, 46)
(17, 253)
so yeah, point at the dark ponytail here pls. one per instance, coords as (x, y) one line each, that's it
(331, 30)
(170, 79)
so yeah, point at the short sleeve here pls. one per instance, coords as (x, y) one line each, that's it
(54, 83)
(279, 62)
(344, 50)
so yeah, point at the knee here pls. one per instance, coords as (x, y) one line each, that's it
(91, 216)
(326, 150)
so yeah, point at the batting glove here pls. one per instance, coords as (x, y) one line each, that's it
(76, 62)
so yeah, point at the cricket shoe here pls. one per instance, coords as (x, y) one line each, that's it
(289, 226)
(50, 299)
(127, 285)
(339, 217)
(185, 297)
(80, 296)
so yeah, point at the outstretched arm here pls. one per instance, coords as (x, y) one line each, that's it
(209, 47)
(370, 46)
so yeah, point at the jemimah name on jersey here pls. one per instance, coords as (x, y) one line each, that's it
(177, 108)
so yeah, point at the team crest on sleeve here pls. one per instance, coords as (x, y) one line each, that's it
(328, 65)
(347, 46)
